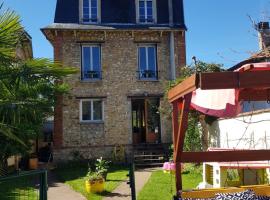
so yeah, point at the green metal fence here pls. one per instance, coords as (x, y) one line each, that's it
(30, 185)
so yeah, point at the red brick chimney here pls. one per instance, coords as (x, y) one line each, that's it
(264, 35)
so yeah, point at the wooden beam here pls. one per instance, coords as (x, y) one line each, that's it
(225, 156)
(187, 86)
(231, 80)
(175, 121)
(218, 80)
(179, 143)
(254, 79)
(254, 95)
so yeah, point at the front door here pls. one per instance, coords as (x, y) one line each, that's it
(146, 120)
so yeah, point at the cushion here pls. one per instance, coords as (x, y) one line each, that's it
(246, 195)
(198, 199)
(262, 198)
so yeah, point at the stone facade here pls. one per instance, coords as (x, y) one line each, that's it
(119, 59)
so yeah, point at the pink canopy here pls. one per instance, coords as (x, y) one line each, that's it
(223, 103)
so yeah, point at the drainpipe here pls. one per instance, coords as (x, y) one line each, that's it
(172, 57)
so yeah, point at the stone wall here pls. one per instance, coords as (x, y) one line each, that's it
(119, 82)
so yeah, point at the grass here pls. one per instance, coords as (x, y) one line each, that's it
(162, 186)
(73, 175)
(19, 188)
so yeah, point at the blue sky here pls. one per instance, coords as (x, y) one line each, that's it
(218, 30)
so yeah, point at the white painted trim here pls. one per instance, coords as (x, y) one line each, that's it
(154, 3)
(92, 110)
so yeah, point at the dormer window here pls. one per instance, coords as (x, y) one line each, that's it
(90, 11)
(146, 11)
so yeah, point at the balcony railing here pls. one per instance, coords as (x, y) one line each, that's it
(90, 20)
(92, 75)
(146, 20)
(147, 75)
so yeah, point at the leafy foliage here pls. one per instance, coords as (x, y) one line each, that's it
(28, 89)
(195, 131)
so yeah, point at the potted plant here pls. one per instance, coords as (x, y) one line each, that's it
(94, 182)
(102, 167)
(33, 161)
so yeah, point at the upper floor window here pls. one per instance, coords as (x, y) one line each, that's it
(146, 11)
(91, 110)
(91, 62)
(90, 11)
(147, 62)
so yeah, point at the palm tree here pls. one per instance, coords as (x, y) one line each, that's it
(28, 90)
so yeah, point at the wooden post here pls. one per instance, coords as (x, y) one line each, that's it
(180, 137)
(175, 121)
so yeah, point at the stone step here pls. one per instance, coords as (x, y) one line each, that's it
(144, 165)
(146, 156)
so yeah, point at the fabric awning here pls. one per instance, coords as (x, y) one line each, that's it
(223, 102)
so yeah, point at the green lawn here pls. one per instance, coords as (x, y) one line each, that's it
(74, 177)
(162, 186)
(19, 188)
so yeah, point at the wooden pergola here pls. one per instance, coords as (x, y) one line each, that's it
(252, 86)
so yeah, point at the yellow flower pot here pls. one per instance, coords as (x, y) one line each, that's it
(96, 186)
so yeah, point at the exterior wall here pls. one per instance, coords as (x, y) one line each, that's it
(119, 82)
(249, 131)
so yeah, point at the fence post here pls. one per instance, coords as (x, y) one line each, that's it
(132, 181)
(43, 186)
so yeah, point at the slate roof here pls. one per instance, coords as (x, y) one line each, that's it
(122, 12)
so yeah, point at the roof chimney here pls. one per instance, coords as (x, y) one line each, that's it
(264, 35)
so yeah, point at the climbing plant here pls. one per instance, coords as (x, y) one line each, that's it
(197, 133)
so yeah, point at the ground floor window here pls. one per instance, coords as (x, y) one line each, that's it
(91, 110)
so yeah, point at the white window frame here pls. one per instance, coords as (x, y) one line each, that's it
(92, 110)
(154, 4)
(91, 64)
(147, 61)
(98, 12)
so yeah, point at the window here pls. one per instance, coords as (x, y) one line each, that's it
(91, 62)
(146, 11)
(147, 62)
(90, 11)
(91, 110)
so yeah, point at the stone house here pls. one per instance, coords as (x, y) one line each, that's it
(126, 52)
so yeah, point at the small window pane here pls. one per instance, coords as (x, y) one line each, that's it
(86, 3)
(149, 4)
(93, 3)
(94, 12)
(97, 106)
(86, 110)
(151, 58)
(142, 58)
(96, 61)
(141, 4)
(86, 61)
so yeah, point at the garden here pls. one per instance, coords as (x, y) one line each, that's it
(94, 180)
